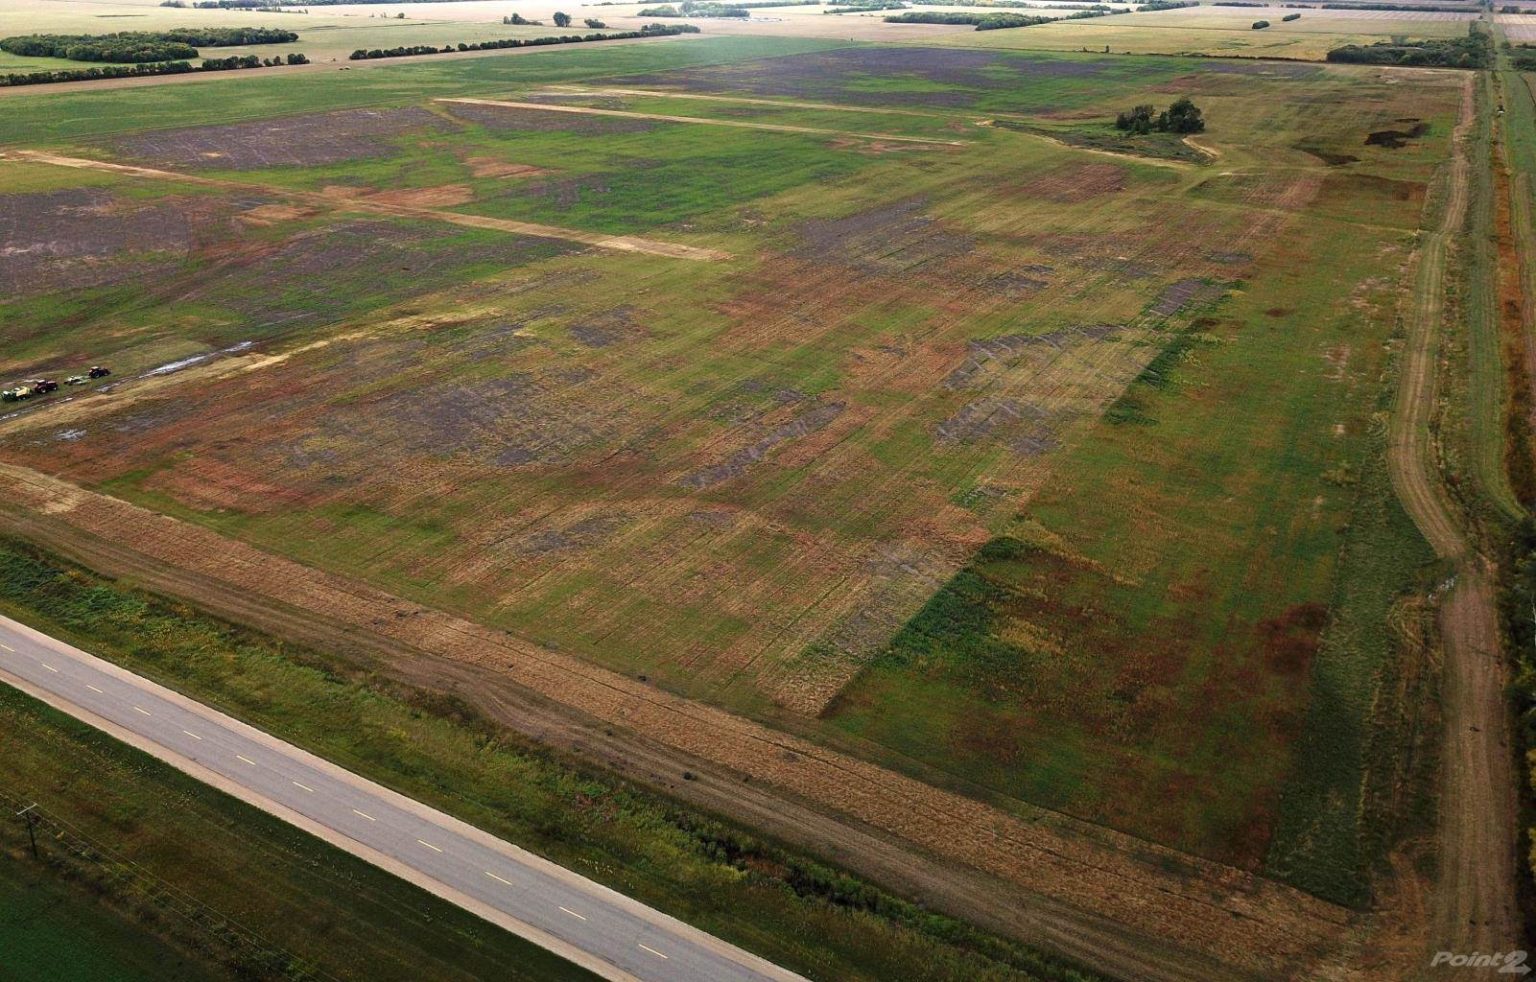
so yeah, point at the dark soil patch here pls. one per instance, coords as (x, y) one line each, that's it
(1184, 294)
(1330, 157)
(890, 238)
(1007, 350)
(610, 327)
(308, 140)
(1397, 139)
(87, 237)
(327, 273)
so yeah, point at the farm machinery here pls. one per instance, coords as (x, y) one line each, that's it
(43, 386)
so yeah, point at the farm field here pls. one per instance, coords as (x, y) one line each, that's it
(1225, 32)
(879, 398)
(325, 33)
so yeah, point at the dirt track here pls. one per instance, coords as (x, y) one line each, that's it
(1474, 905)
(620, 243)
(705, 121)
(1125, 906)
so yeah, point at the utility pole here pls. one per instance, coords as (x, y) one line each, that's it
(29, 815)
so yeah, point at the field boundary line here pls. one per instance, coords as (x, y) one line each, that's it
(618, 243)
(704, 121)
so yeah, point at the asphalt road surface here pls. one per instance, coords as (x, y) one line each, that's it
(589, 924)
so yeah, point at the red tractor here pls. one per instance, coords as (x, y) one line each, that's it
(43, 386)
(98, 371)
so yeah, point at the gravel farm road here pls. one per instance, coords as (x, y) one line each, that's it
(601, 930)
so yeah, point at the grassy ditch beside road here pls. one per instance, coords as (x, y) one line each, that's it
(785, 906)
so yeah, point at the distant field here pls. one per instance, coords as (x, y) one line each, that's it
(1225, 31)
(325, 33)
(883, 416)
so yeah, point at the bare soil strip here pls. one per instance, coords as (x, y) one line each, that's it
(1474, 903)
(736, 123)
(1176, 916)
(621, 243)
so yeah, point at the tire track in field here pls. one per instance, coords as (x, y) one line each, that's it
(1474, 906)
(620, 243)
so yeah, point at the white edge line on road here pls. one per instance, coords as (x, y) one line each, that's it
(389, 864)
(573, 913)
(475, 834)
(653, 951)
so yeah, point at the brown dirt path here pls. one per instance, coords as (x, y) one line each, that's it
(374, 205)
(706, 121)
(1474, 906)
(1124, 905)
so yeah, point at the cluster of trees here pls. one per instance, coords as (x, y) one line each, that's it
(1523, 57)
(1157, 5)
(521, 21)
(649, 30)
(138, 70)
(1181, 117)
(1472, 51)
(139, 47)
(697, 8)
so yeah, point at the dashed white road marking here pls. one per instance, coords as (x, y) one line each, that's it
(7, 647)
(191, 734)
(94, 689)
(364, 815)
(573, 913)
(245, 758)
(140, 709)
(429, 845)
(304, 786)
(497, 878)
(653, 951)
(50, 667)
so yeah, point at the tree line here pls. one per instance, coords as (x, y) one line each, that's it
(649, 30)
(136, 47)
(139, 70)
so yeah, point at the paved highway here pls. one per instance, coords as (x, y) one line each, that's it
(589, 924)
